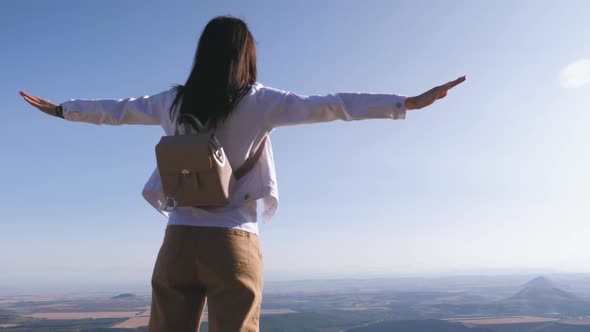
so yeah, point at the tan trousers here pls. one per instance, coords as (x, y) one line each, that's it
(219, 265)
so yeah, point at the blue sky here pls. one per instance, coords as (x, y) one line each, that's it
(494, 177)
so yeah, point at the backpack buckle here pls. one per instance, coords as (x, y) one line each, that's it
(167, 206)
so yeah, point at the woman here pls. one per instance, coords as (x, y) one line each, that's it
(214, 254)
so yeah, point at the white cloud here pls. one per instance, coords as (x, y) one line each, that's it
(576, 74)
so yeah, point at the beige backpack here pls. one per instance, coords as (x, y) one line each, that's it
(193, 166)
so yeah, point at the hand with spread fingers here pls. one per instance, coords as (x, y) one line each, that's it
(432, 95)
(43, 105)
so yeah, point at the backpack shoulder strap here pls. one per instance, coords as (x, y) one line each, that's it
(251, 161)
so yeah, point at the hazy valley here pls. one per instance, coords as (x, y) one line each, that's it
(471, 304)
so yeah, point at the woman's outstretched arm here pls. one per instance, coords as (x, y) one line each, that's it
(145, 110)
(286, 108)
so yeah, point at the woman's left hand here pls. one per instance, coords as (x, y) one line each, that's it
(43, 105)
(430, 96)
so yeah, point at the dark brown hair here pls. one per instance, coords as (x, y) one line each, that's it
(223, 71)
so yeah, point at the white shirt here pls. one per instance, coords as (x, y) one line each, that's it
(260, 111)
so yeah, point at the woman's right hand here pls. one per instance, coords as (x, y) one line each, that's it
(430, 96)
(43, 105)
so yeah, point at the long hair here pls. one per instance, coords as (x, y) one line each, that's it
(223, 71)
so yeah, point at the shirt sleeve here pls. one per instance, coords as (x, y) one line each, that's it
(286, 108)
(146, 110)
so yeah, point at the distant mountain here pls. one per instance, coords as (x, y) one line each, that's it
(125, 296)
(542, 290)
(541, 296)
(541, 282)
